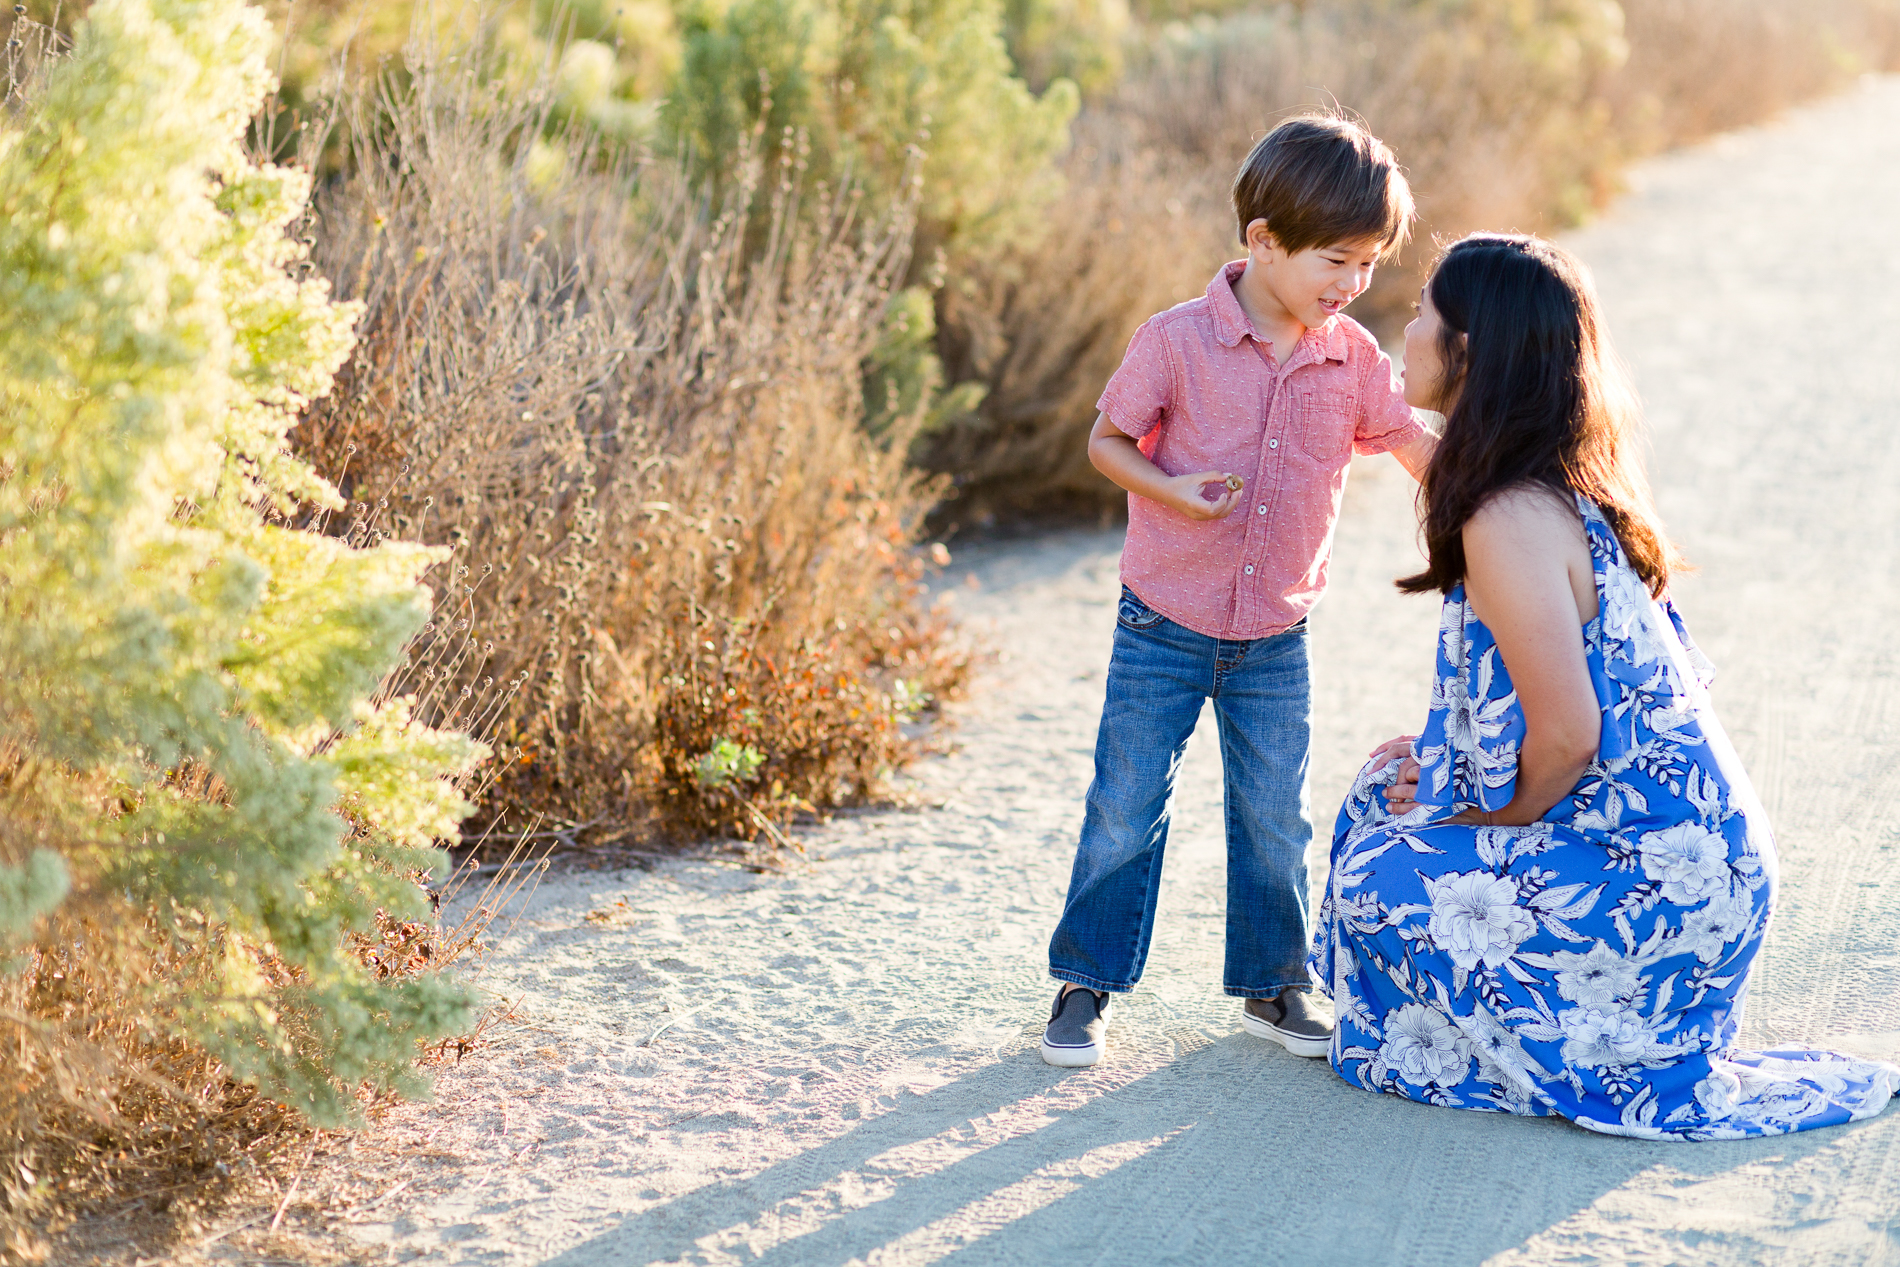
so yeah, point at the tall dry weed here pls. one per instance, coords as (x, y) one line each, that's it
(636, 417)
(114, 1130)
(1042, 324)
(1499, 126)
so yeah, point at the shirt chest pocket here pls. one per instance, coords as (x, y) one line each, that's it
(1326, 424)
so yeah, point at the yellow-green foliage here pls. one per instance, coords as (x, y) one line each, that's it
(870, 81)
(1083, 41)
(185, 676)
(867, 81)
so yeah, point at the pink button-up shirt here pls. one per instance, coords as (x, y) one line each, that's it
(1200, 390)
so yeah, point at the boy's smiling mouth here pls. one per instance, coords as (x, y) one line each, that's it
(1332, 306)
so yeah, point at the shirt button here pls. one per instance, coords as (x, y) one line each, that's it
(1273, 444)
(1263, 510)
(1250, 569)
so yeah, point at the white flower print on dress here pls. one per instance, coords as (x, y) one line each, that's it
(1501, 1057)
(1772, 1095)
(1607, 1037)
(1423, 1047)
(1598, 978)
(1476, 918)
(1474, 728)
(1689, 859)
(1720, 1091)
(1708, 932)
(1632, 619)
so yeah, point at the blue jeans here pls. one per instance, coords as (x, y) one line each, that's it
(1157, 679)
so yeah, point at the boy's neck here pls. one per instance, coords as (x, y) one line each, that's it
(1271, 320)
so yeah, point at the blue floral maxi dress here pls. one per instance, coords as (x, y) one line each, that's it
(1592, 965)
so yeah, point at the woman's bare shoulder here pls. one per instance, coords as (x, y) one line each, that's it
(1526, 512)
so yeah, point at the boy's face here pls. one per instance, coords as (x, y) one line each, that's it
(1316, 284)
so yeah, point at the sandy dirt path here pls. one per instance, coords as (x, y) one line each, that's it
(837, 1065)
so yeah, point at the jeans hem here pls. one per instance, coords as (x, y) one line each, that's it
(1264, 992)
(1093, 983)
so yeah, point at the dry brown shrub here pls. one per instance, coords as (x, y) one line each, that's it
(1042, 324)
(1491, 139)
(637, 418)
(118, 1137)
(102, 1114)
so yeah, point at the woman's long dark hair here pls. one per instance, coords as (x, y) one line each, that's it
(1538, 399)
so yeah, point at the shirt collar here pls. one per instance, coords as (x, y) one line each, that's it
(1231, 325)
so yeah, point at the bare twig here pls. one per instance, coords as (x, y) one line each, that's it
(278, 1218)
(351, 1213)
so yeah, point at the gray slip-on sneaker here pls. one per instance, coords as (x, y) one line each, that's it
(1078, 1028)
(1296, 1020)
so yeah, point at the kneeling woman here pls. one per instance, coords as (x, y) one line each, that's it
(1550, 901)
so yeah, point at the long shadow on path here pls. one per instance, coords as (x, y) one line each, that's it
(1229, 1150)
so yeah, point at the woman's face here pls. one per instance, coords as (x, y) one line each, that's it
(1424, 371)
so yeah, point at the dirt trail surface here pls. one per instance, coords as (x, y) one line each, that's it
(837, 1064)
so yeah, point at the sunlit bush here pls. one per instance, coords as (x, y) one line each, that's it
(201, 802)
(641, 422)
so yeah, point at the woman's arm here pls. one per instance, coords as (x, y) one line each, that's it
(1528, 577)
(1115, 454)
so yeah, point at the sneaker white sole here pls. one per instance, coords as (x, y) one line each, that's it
(1309, 1047)
(1073, 1057)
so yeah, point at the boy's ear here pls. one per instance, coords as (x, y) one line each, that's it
(1258, 236)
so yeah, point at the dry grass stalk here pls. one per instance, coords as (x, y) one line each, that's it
(637, 419)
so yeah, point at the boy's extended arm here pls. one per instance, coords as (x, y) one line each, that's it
(1115, 454)
(1417, 455)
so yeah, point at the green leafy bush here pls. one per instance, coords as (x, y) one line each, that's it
(203, 798)
(870, 83)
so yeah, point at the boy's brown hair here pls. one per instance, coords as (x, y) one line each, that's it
(1319, 179)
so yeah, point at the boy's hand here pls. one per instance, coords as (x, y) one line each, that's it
(1208, 495)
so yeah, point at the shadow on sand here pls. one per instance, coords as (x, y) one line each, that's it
(1230, 1151)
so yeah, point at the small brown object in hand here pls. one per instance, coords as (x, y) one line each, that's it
(1235, 483)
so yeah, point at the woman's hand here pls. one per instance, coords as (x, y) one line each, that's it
(1402, 796)
(1400, 747)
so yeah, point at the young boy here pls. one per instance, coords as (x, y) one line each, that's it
(1230, 423)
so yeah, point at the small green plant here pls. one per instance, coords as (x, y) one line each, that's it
(909, 699)
(728, 763)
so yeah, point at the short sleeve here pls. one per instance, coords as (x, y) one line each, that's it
(1386, 422)
(1142, 390)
